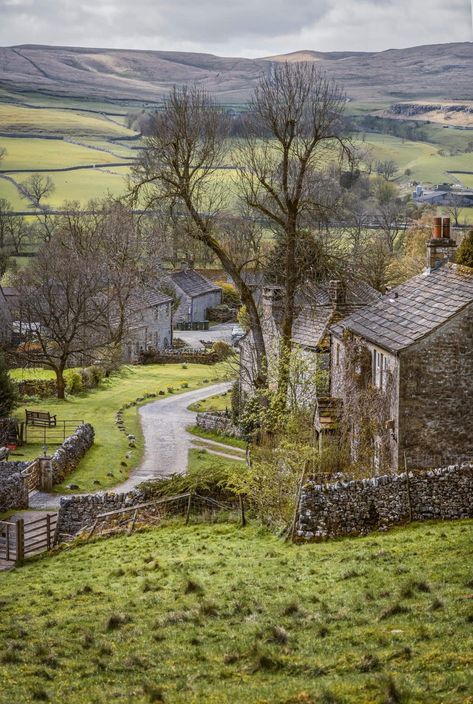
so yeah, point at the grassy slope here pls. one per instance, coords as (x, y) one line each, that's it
(14, 118)
(220, 402)
(99, 408)
(188, 614)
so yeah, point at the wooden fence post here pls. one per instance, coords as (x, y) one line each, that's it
(242, 510)
(188, 510)
(20, 541)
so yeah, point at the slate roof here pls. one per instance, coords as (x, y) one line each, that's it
(317, 312)
(192, 283)
(150, 299)
(414, 309)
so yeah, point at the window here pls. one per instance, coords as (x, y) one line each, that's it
(377, 449)
(380, 370)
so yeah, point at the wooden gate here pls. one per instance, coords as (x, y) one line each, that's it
(32, 476)
(19, 539)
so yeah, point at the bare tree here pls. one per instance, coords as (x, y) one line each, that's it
(61, 308)
(177, 170)
(389, 212)
(78, 298)
(294, 130)
(387, 169)
(36, 189)
(454, 209)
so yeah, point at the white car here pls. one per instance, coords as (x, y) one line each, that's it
(237, 334)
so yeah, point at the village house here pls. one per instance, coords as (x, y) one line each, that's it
(150, 326)
(318, 306)
(196, 295)
(414, 348)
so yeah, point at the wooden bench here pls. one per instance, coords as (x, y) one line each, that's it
(40, 418)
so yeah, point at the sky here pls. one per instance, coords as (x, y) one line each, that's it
(249, 28)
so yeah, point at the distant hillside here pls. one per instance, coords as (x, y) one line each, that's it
(440, 71)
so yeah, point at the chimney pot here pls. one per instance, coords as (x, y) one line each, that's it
(446, 229)
(437, 228)
(337, 292)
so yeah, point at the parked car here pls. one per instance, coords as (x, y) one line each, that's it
(237, 334)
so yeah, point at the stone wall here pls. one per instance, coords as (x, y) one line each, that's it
(358, 507)
(78, 512)
(69, 454)
(13, 492)
(218, 422)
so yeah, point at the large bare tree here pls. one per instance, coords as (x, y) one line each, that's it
(178, 171)
(293, 133)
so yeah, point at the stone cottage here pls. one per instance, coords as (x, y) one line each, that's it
(150, 325)
(318, 306)
(196, 295)
(410, 355)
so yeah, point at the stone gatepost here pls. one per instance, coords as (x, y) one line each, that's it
(46, 473)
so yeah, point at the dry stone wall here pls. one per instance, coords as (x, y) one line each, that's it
(78, 512)
(358, 507)
(13, 492)
(69, 454)
(218, 422)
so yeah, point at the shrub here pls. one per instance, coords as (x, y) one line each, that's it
(8, 392)
(221, 350)
(230, 295)
(465, 251)
(74, 383)
(97, 374)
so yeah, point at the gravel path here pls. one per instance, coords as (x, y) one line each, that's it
(167, 443)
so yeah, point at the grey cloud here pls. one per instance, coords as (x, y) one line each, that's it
(235, 27)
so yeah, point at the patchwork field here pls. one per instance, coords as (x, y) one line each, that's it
(225, 615)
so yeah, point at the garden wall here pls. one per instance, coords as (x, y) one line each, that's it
(69, 454)
(358, 507)
(218, 422)
(13, 492)
(180, 356)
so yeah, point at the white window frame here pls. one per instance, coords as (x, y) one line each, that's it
(380, 369)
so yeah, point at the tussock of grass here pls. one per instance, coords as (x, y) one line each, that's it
(232, 643)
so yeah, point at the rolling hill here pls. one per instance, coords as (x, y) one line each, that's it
(441, 71)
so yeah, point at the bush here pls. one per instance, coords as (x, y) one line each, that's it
(230, 295)
(8, 392)
(221, 350)
(74, 383)
(97, 374)
(465, 251)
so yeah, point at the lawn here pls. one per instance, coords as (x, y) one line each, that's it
(220, 614)
(99, 408)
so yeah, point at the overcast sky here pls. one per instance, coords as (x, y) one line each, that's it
(236, 27)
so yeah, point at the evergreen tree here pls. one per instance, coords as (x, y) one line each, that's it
(465, 251)
(7, 390)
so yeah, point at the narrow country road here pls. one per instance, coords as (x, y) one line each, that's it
(167, 443)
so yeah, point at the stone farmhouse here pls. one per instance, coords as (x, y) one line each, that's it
(413, 352)
(318, 306)
(196, 295)
(150, 326)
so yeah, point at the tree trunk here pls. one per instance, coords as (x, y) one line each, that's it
(60, 383)
(288, 319)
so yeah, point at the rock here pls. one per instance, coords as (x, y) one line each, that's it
(123, 464)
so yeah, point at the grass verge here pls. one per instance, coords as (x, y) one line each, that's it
(209, 435)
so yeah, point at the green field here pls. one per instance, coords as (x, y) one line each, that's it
(99, 408)
(224, 615)
(423, 159)
(16, 118)
(22, 153)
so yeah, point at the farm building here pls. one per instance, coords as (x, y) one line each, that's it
(410, 355)
(196, 295)
(150, 326)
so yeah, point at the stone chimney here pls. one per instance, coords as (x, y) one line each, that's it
(441, 247)
(337, 292)
(273, 303)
